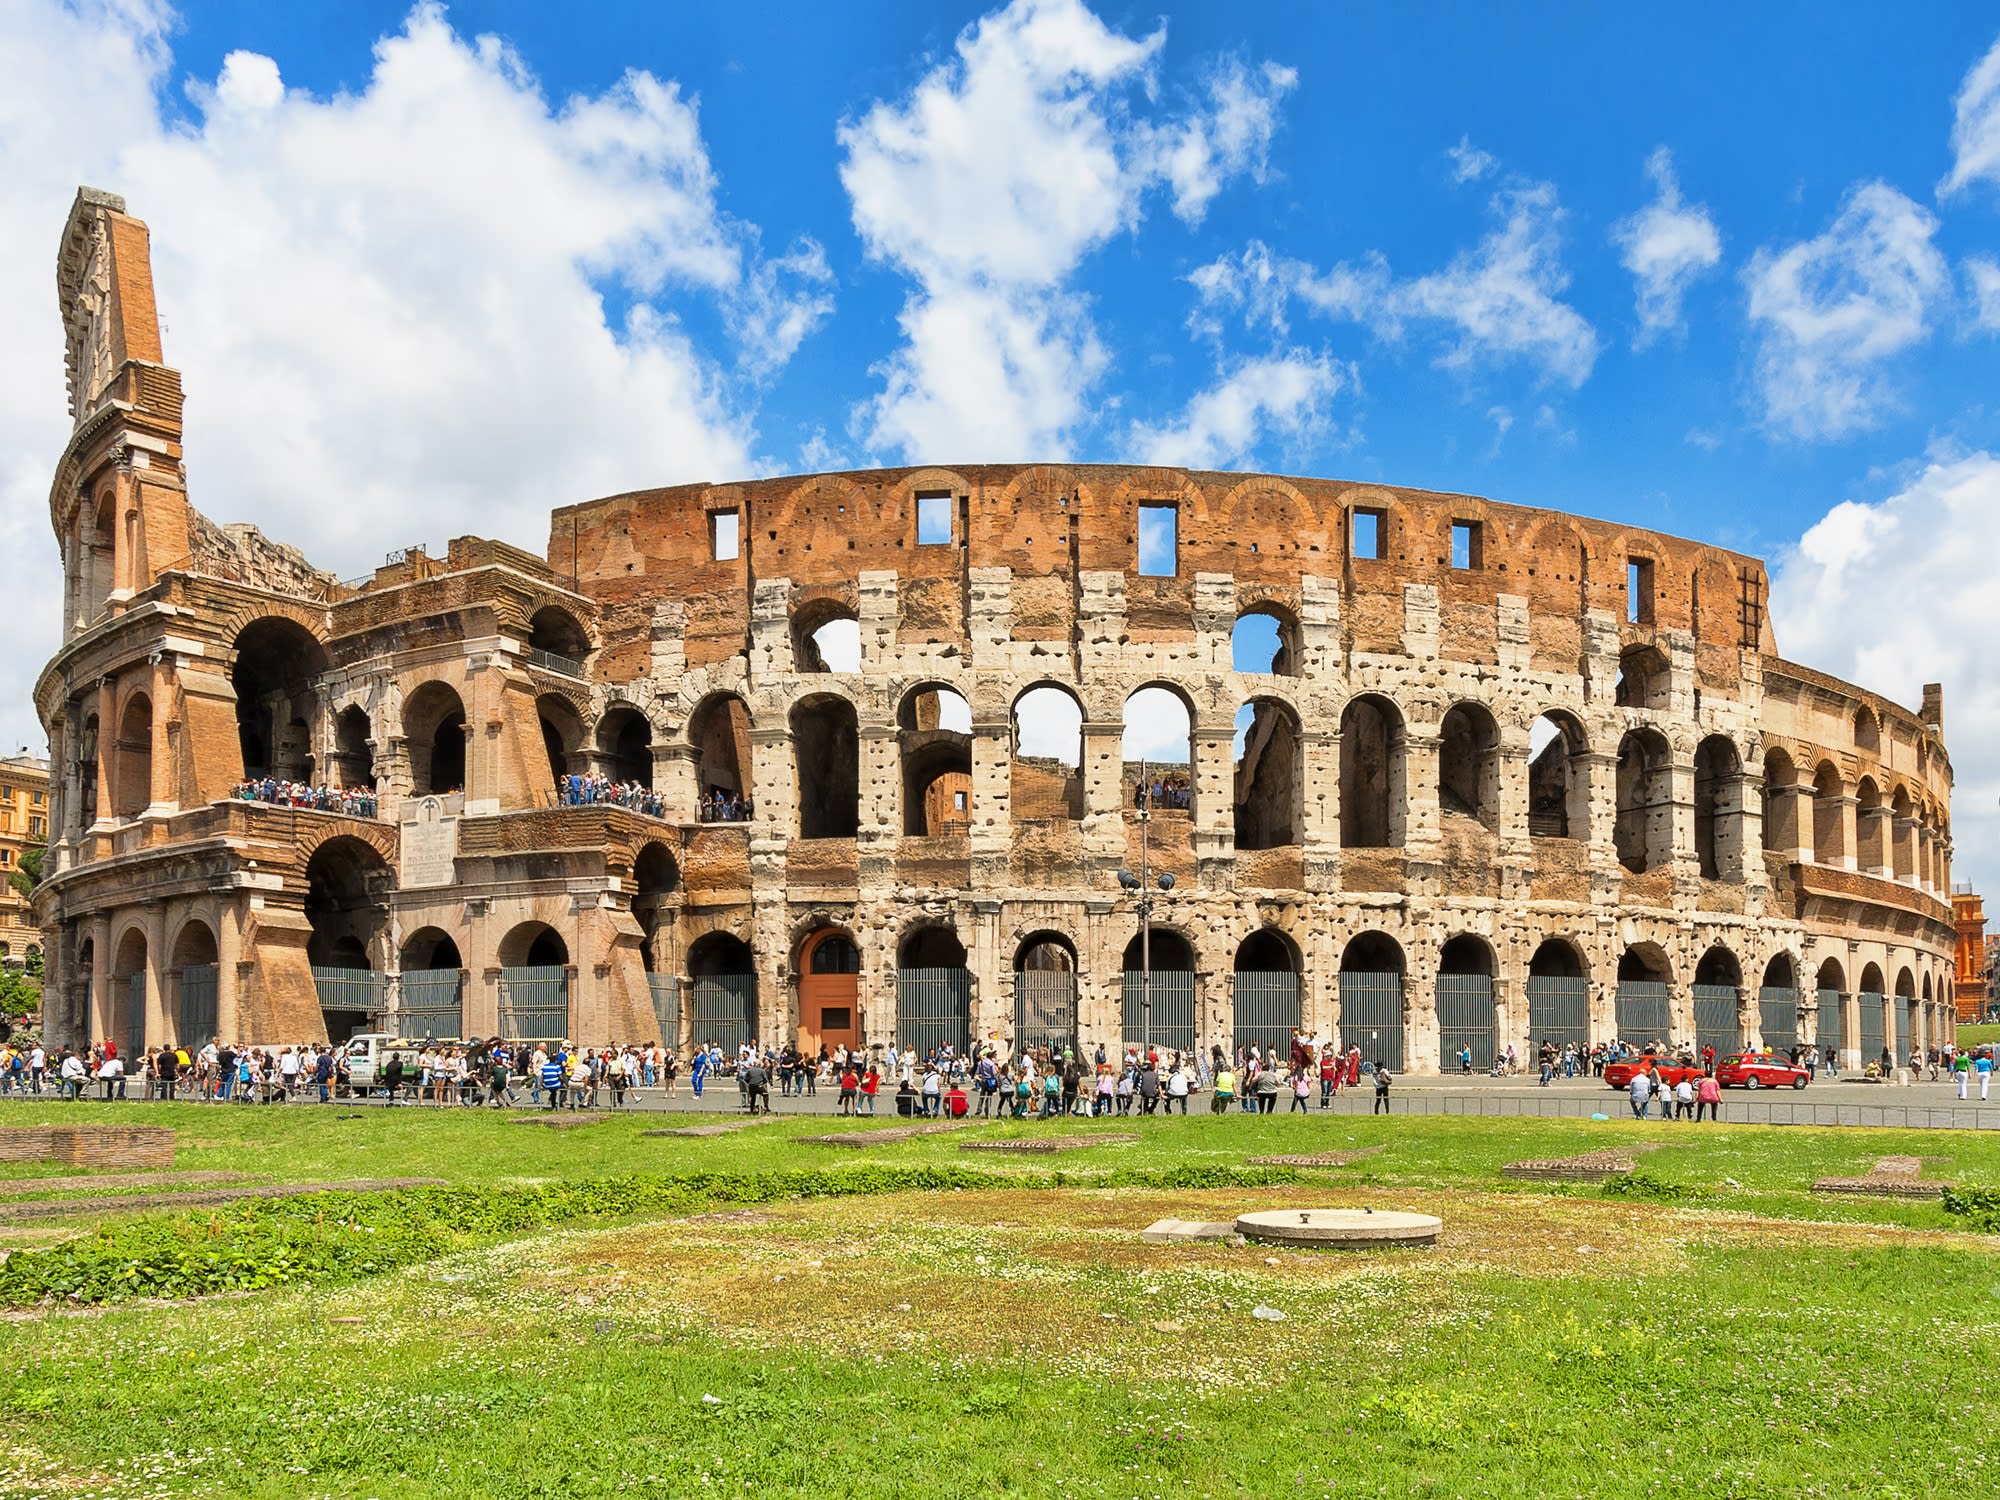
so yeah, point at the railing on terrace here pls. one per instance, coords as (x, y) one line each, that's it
(346, 802)
(552, 661)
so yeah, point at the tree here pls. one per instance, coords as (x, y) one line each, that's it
(27, 871)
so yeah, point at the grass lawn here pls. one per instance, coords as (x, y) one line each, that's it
(1719, 1327)
(1978, 1036)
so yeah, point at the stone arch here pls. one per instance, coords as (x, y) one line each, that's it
(1645, 961)
(1265, 638)
(1645, 678)
(1867, 730)
(1045, 771)
(1374, 1003)
(1644, 832)
(1467, 953)
(1719, 966)
(624, 741)
(193, 972)
(1558, 958)
(429, 950)
(347, 901)
(354, 747)
(434, 728)
(1829, 823)
(1871, 980)
(132, 763)
(1373, 769)
(276, 664)
(126, 1012)
(1045, 950)
(1780, 803)
(936, 761)
(1782, 971)
(562, 735)
(1469, 764)
(826, 763)
(1270, 775)
(1718, 808)
(1871, 838)
(557, 632)
(826, 634)
(1148, 715)
(719, 732)
(1273, 522)
(533, 945)
(1558, 776)
(383, 841)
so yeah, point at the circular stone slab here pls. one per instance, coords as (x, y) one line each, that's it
(1339, 1228)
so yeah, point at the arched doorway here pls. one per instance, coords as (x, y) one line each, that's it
(625, 745)
(719, 731)
(826, 759)
(347, 903)
(656, 881)
(1868, 1004)
(1778, 1004)
(1643, 1007)
(1267, 1009)
(1469, 765)
(1904, 1010)
(933, 993)
(1466, 1019)
(1718, 1002)
(556, 641)
(1045, 993)
(934, 743)
(829, 992)
(276, 674)
(433, 991)
(1718, 809)
(1372, 770)
(1045, 771)
(354, 748)
(195, 975)
(562, 737)
(132, 765)
(1168, 1024)
(724, 1003)
(1644, 830)
(1558, 998)
(1830, 1005)
(534, 984)
(126, 1014)
(1558, 778)
(1371, 998)
(434, 726)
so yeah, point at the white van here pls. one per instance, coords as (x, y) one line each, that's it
(368, 1054)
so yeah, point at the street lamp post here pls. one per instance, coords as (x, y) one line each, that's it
(1143, 883)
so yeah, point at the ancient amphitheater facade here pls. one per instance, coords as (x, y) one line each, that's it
(1509, 775)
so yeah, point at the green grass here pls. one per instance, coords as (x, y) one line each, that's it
(1744, 1338)
(1978, 1036)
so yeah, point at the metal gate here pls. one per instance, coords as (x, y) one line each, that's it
(135, 1015)
(1871, 1027)
(1905, 1008)
(1044, 1010)
(1371, 1015)
(534, 1003)
(666, 990)
(1267, 1010)
(1173, 1009)
(1643, 1012)
(725, 1010)
(195, 1018)
(348, 989)
(934, 1009)
(1827, 1020)
(1718, 1019)
(1780, 1011)
(432, 1004)
(1558, 1012)
(1465, 1020)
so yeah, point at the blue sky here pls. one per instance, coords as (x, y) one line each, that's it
(1729, 271)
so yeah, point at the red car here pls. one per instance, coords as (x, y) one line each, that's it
(1667, 1070)
(1758, 1070)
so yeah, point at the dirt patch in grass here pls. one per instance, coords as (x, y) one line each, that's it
(105, 1182)
(129, 1203)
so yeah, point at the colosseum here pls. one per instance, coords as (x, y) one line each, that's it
(843, 758)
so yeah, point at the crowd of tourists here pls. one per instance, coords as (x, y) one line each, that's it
(353, 801)
(1163, 791)
(593, 790)
(725, 807)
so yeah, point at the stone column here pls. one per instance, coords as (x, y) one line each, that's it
(158, 1023)
(103, 1001)
(1877, 823)
(107, 740)
(1849, 806)
(677, 776)
(1597, 790)
(1805, 823)
(1319, 752)
(1214, 788)
(1422, 821)
(992, 809)
(228, 986)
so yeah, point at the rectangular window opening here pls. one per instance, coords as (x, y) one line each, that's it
(722, 534)
(934, 520)
(1466, 549)
(1639, 590)
(958, 802)
(1159, 541)
(1368, 528)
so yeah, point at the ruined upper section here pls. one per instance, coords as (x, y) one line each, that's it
(104, 286)
(240, 553)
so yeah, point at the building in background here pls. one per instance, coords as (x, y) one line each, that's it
(1968, 910)
(24, 825)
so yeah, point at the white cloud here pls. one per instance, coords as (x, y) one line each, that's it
(988, 184)
(390, 305)
(1665, 246)
(1286, 394)
(1468, 162)
(1975, 133)
(1828, 312)
(1496, 303)
(1899, 592)
(1984, 275)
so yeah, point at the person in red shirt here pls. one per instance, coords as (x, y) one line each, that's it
(954, 1102)
(849, 1087)
(871, 1084)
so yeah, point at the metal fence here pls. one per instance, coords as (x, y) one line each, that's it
(666, 990)
(534, 1003)
(934, 1009)
(1267, 1010)
(1172, 1027)
(433, 1004)
(724, 1011)
(135, 1015)
(1870, 1041)
(1827, 1019)
(553, 661)
(1465, 1020)
(1904, 1008)
(1044, 1009)
(1558, 1011)
(1779, 1009)
(1371, 1015)
(195, 1016)
(1643, 1011)
(1718, 1018)
(348, 989)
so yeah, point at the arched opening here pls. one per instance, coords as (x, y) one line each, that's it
(534, 983)
(1558, 997)
(1829, 1004)
(347, 904)
(127, 1010)
(1268, 1002)
(276, 674)
(1718, 809)
(829, 991)
(1869, 1003)
(1468, 1023)
(1904, 1011)
(194, 977)
(1045, 779)
(1644, 678)
(1871, 844)
(1372, 771)
(826, 637)
(933, 993)
(1643, 1006)
(1867, 733)
(625, 746)
(1829, 824)
(85, 980)
(719, 731)
(1781, 804)
(656, 879)
(1371, 998)
(1158, 751)
(934, 738)
(1265, 640)
(826, 760)
(562, 736)
(723, 1011)
(353, 748)
(1167, 1025)
(1644, 832)
(100, 556)
(1270, 776)
(559, 639)
(432, 1003)
(1469, 765)
(86, 765)
(132, 779)
(434, 729)
(1558, 779)
(1718, 1002)
(1045, 993)
(1902, 841)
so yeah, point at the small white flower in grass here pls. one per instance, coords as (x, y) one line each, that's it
(1268, 1314)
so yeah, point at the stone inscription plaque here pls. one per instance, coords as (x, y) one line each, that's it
(430, 847)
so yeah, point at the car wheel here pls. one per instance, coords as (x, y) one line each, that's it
(1799, 1083)
(1753, 1081)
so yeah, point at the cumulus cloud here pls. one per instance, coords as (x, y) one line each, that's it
(1828, 313)
(1665, 246)
(440, 300)
(1894, 593)
(1286, 394)
(1975, 131)
(1984, 277)
(1499, 302)
(990, 181)
(1468, 162)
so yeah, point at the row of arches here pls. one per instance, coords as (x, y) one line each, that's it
(1863, 823)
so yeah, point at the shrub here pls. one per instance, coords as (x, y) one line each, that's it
(1980, 1205)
